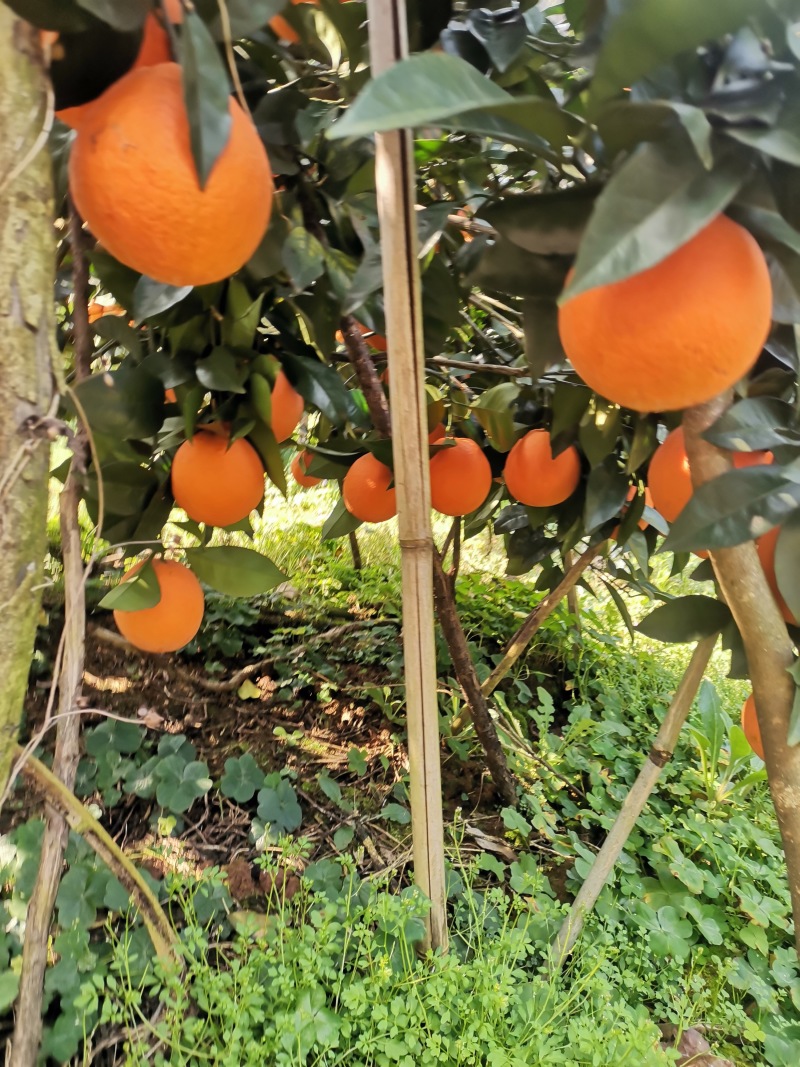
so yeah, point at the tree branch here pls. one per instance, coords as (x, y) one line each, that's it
(769, 650)
(368, 379)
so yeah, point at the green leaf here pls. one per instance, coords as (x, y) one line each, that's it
(279, 807)
(754, 423)
(222, 372)
(112, 735)
(339, 523)
(543, 223)
(606, 490)
(623, 125)
(180, 784)
(418, 91)
(657, 200)
(151, 298)
(502, 33)
(135, 594)
(780, 141)
(687, 618)
(322, 388)
(242, 315)
(529, 122)
(63, 15)
(263, 439)
(735, 507)
(234, 571)
(9, 987)
(245, 16)
(494, 411)
(357, 761)
(206, 92)
(648, 34)
(121, 14)
(396, 813)
(126, 404)
(242, 778)
(303, 257)
(343, 837)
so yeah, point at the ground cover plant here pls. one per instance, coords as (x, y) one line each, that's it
(579, 338)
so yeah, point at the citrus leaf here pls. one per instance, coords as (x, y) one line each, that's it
(206, 92)
(263, 439)
(151, 298)
(753, 423)
(738, 506)
(322, 388)
(121, 14)
(687, 618)
(648, 33)
(234, 571)
(606, 489)
(787, 574)
(141, 591)
(125, 404)
(657, 200)
(339, 523)
(494, 411)
(67, 16)
(418, 91)
(543, 223)
(303, 257)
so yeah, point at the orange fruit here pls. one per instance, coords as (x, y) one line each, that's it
(678, 333)
(281, 28)
(215, 481)
(437, 434)
(669, 477)
(170, 396)
(287, 407)
(174, 620)
(133, 179)
(534, 477)
(750, 726)
(97, 310)
(765, 546)
(366, 490)
(461, 478)
(299, 466)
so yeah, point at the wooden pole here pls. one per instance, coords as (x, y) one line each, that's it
(396, 193)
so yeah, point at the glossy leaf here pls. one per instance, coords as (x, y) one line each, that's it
(753, 424)
(339, 523)
(234, 571)
(322, 387)
(206, 91)
(738, 506)
(125, 403)
(418, 91)
(687, 618)
(263, 440)
(303, 257)
(494, 411)
(543, 223)
(606, 490)
(151, 298)
(222, 371)
(647, 34)
(121, 14)
(135, 594)
(660, 198)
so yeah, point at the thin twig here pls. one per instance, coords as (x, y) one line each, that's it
(368, 379)
(481, 368)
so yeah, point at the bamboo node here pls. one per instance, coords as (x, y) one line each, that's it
(423, 544)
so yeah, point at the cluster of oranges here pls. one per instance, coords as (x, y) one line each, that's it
(218, 482)
(132, 160)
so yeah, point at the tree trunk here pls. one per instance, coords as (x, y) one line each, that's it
(26, 346)
(767, 645)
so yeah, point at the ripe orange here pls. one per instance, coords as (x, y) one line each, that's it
(750, 726)
(299, 466)
(679, 333)
(174, 620)
(133, 179)
(374, 340)
(537, 479)
(216, 482)
(437, 434)
(669, 478)
(461, 478)
(366, 490)
(765, 546)
(170, 396)
(287, 407)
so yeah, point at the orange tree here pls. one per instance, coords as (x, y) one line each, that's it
(610, 247)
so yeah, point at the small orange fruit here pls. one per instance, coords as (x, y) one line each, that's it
(461, 478)
(678, 333)
(536, 478)
(287, 407)
(170, 396)
(215, 481)
(366, 491)
(299, 466)
(132, 177)
(174, 620)
(750, 726)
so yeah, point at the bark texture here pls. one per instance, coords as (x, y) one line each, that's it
(26, 346)
(767, 645)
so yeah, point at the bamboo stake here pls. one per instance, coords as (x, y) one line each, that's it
(396, 193)
(660, 754)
